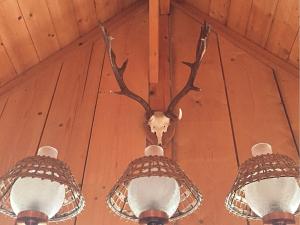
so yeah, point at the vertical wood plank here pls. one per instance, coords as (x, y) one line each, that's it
(40, 26)
(39, 23)
(153, 40)
(16, 37)
(117, 136)
(159, 97)
(71, 115)
(260, 21)
(7, 70)
(164, 6)
(64, 20)
(86, 15)
(288, 85)
(202, 5)
(23, 118)
(257, 110)
(294, 54)
(219, 10)
(238, 15)
(203, 143)
(284, 28)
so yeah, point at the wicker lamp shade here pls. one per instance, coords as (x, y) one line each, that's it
(47, 168)
(256, 169)
(190, 197)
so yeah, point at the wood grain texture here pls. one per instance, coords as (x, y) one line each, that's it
(153, 41)
(23, 118)
(7, 70)
(64, 20)
(288, 85)
(116, 139)
(40, 26)
(260, 21)
(255, 102)
(219, 10)
(239, 40)
(284, 28)
(86, 15)
(164, 6)
(203, 143)
(203, 6)
(238, 15)
(15, 36)
(294, 54)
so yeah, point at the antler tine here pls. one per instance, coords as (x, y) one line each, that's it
(119, 71)
(189, 86)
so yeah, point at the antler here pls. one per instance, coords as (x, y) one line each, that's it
(189, 86)
(118, 71)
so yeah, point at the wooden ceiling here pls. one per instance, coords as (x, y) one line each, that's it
(32, 30)
(271, 24)
(67, 102)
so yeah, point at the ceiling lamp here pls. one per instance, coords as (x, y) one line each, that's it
(266, 188)
(40, 189)
(154, 190)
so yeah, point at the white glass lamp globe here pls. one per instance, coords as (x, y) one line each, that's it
(35, 194)
(272, 195)
(154, 192)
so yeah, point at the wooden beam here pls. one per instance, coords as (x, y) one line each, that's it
(153, 40)
(164, 6)
(253, 49)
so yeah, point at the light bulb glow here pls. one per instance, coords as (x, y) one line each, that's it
(153, 193)
(38, 194)
(273, 194)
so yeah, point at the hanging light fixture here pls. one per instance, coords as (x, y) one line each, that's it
(153, 190)
(266, 188)
(40, 189)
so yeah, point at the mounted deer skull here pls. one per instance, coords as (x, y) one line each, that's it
(159, 126)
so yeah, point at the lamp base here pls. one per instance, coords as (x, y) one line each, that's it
(153, 217)
(279, 218)
(31, 218)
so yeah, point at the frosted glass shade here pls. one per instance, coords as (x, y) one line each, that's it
(36, 194)
(275, 194)
(153, 193)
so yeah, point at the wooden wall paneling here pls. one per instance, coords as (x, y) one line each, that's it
(106, 9)
(15, 36)
(7, 70)
(284, 28)
(238, 15)
(256, 107)
(257, 110)
(86, 15)
(164, 6)
(153, 41)
(260, 21)
(23, 118)
(294, 54)
(64, 20)
(203, 5)
(239, 40)
(203, 141)
(40, 26)
(288, 85)
(117, 136)
(71, 115)
(219, 10)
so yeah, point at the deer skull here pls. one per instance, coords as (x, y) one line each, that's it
(159, 124)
